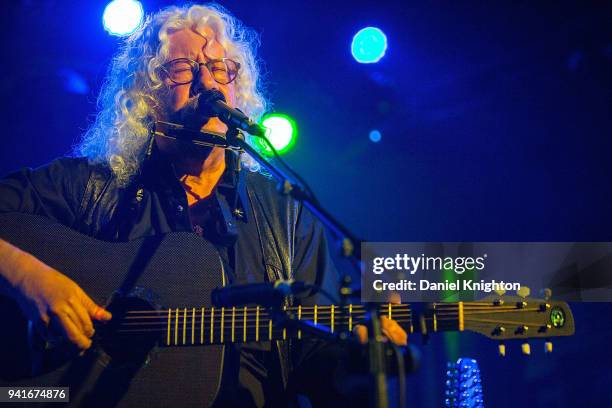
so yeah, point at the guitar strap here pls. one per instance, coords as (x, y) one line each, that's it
(273, 265)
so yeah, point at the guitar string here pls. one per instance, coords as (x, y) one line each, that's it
(319, 315)
(163, 319)
(277, 330)
(240, 323)
(264, 326)
(240, 320)
(261, 314)
(323, 314)
(339, 309)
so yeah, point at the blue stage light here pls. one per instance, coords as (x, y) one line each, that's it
(73, 81)
(122, 17)
(375, 136)
(369, 45)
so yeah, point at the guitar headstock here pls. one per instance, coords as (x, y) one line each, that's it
(501, 317)
(463, 385)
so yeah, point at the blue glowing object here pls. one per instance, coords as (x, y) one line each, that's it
(369, 45)
(122, 17)
(375, 136)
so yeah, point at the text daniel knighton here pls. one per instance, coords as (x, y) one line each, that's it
(446, 285)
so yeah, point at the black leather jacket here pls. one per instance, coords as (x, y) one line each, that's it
(246, 210)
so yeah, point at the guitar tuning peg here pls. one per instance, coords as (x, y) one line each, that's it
(546, 293)
(548, 346)
(523, 292)
(526, 349)
(501, 349)
(500, 292)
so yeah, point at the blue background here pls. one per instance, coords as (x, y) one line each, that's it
(495, 123)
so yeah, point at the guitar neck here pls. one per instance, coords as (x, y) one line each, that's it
(211, 325)
(496, 318)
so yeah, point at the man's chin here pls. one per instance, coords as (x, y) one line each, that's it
(183, 151)
(214, 126)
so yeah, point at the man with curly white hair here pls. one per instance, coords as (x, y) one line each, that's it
(126, 184)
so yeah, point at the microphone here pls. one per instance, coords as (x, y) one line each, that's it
(264, 294)
(212, 103)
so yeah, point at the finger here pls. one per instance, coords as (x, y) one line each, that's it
(43, 319)
(395, 298)
(394, 331)
(78, 321)
(393, 336)
(69, 311)
(41, 326)
(362, 333)
(72, 332)
(386, 328)
(96, 312)
(84, 321)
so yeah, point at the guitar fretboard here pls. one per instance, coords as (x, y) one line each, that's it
(217, 325)
(494, 318)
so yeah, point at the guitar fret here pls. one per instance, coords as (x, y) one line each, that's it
(193, 325)
(176, 322)
(212, 325)
(299, 318)
(257, 325)
(169, 321)
(435, 319)
(389, 307)
(244, 326)
(233, 321)
(411, 327)
(270, 330)
(202, 328)
(351, 317)
(184, 325)
(332, 318)
(222, 323)
(315, 314)
(461, 317)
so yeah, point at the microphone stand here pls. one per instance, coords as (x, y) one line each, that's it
(350, 250)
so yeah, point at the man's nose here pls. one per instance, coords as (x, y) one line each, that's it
(203, 81)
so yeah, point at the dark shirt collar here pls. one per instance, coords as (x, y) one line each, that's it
(159, 173)
(228, 202)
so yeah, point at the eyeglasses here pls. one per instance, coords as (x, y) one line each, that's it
(183, 70)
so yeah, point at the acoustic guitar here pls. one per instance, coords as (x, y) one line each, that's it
(159, 289)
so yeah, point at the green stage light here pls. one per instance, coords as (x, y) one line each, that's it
(282, 132)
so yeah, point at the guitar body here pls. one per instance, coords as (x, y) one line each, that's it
(125, 371)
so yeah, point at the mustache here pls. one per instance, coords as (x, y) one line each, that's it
(190, 115)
